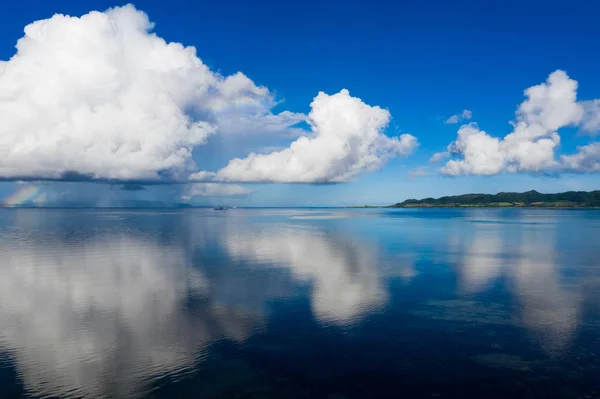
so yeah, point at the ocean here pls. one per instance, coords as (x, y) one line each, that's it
(300, 303)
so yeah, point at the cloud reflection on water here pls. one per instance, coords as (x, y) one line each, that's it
(525, 254)
(101, 316)
(105, 303)
(94, 311)
(343, 272)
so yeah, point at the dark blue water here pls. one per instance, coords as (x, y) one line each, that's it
(300, 303)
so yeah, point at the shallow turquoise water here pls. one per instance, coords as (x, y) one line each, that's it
(300, 303)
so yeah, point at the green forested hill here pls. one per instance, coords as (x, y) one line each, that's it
(569, 199)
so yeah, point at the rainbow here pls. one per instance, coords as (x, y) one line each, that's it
(26, 194)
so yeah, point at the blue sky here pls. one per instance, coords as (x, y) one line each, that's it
(422, 61)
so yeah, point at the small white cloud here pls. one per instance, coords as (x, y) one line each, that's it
(439, 156)
(216, 190)
(465, 115)
(452, 120)
(586, 160)
(421, 171)
(590, 123)
(202, 176)
(347, 139)
(263, 122)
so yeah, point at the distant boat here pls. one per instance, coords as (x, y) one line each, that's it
(220, 208)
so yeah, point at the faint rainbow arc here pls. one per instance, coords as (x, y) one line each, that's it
(26, 194)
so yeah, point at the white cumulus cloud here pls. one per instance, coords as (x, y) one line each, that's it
(102, 96)
(481, 153)
(421, 171)
(439, 156)
(531, 146)
(347, 138)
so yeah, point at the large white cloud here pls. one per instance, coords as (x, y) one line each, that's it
(347, 138)
(102, 96)
(531, 146)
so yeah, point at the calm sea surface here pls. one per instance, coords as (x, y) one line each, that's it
(300, 303)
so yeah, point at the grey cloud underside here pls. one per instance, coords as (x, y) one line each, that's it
(78, 178)
(132, 187)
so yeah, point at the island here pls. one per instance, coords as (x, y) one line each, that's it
(530, 199)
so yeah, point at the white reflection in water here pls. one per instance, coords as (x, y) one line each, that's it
(549, 308)
(102, 315)
(481, 259)
(525, 254)
(343, 272)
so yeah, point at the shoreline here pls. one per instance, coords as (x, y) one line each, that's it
(583, 207)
